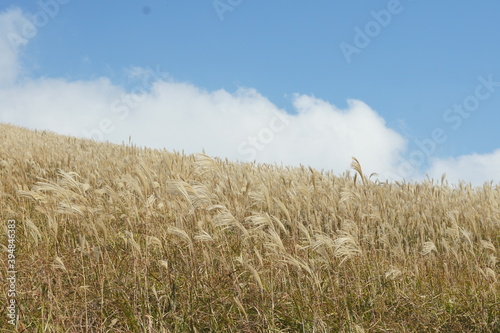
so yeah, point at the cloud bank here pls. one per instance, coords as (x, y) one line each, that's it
(242, 125)
(474, 168)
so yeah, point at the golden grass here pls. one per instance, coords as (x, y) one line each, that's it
(121, 239)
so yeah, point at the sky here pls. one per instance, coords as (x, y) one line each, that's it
(410, 88)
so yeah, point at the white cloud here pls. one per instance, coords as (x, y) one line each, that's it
(244, 125)
(474, 168)
(56, 104)
(178, 116)
(329, 137)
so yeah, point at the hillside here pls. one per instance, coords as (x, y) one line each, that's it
(114, 238)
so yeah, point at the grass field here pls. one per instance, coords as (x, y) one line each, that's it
(114, 238)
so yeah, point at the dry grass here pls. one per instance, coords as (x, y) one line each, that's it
(120, 239)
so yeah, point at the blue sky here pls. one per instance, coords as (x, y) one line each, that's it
(417, 62)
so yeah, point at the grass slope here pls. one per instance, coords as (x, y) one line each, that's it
(120, 239)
